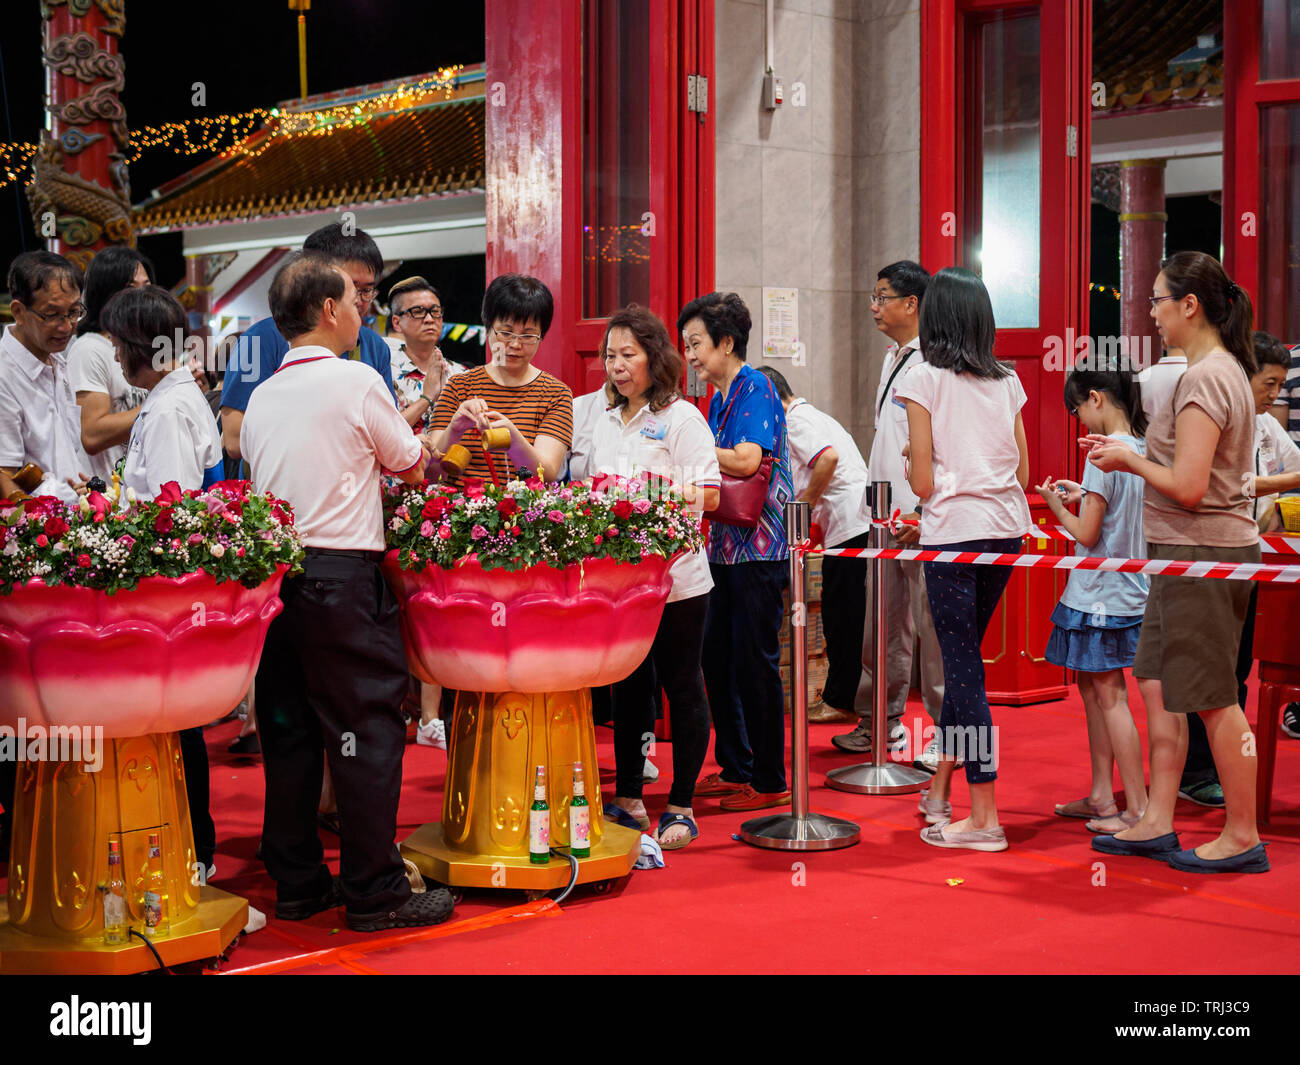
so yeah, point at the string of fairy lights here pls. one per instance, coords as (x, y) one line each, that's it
(226, 136)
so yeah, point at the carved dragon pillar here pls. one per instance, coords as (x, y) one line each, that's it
(79, 195)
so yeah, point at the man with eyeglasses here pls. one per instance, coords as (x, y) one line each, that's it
(40, 421)
(261, 348)
(419, 369)
(509, 392)
(896, 308)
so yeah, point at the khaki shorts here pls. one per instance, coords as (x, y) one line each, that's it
(1192, 629)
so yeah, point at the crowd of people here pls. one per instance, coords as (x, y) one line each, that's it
(1182, 462)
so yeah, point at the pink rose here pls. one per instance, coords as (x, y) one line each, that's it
(556, 516)
(444, 532)
(426, 530)
(641, 506)
(195, 538)
(477, 532)
(598, 540)
(612, 531)
(402, 512)
(127, 541)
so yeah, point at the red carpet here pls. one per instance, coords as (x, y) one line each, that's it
(889, 904)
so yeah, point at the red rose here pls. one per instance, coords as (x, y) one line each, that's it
(83, 561)
(507, 507)
(42, 540)
(474, 487)
(55, 526)
(516, 532)
(535, 484)
(622, 508)
(168, 493)
(163, 522)
(598, 540)
(98, 503)
(433, 509)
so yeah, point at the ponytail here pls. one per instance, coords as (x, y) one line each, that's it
(1226, 305)
(1121, 386)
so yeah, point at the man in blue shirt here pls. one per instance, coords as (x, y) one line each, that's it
(261, 348)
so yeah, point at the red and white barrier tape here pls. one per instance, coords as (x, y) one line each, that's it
(1270, 543)
(1233, 571)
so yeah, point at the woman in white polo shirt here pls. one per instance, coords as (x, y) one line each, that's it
(650, 428)
(174, 437)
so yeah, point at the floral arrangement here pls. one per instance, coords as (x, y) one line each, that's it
(109, 542)
(530, 523)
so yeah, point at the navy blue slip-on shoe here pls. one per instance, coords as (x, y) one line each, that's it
(1159, 848)
(1251, 861)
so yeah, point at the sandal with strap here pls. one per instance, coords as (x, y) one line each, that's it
(619, 816)
(1086, 809)
(667, 820)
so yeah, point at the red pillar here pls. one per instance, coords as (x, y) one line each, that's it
(79, 195)
(1142, 220)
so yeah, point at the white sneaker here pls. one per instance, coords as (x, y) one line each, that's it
(649, 772)
(929, 760)
(936, 811)
(434, 734)
(256, 920)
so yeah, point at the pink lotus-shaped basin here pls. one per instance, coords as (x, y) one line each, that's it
(173, 653)
(536, 630)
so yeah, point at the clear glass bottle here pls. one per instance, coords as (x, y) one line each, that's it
(115, 928)
(539, 822)
(155, 893)
(579, 818)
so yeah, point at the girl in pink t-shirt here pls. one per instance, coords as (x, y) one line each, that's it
(969, 466)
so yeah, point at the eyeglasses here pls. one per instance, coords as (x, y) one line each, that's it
(72, 316)
(527, 340)
(367, 293)
(877, 300)
(417, 314)
(1153, 300)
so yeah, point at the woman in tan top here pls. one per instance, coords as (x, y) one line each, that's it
(1200, 457)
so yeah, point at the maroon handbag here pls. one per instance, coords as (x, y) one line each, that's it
(741, 499)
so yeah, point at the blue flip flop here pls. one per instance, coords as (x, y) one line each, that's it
(1251, 861)
(621, 817)
(667, 820)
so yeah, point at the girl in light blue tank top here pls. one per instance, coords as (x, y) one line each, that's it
(1097, 622)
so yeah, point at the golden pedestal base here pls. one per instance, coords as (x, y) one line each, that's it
(65, 813)
(217, 920)
(611, 858)
(495, 743)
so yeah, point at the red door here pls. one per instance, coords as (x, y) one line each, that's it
(600, 178)
(1005, 192)
(1261, 170)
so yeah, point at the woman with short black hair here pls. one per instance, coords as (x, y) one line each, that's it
(750, 568)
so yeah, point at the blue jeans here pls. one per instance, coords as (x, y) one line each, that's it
(963, 597)
(742, 672)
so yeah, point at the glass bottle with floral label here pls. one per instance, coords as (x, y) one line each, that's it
(579, 818)
(539, 822)
(115, 930)
(155, 893)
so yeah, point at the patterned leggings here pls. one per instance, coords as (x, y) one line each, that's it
(963, 597)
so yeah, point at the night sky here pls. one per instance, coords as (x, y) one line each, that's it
(246, 54)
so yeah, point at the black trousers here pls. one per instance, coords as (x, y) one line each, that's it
(844, 615)
(674, 662)
(194, 754)
(742, 672)
(331, 681)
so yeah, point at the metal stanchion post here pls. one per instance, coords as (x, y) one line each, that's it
(799, 830)
(879, 776)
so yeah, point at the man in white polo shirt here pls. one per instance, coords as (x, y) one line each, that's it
(333, 673)
(40, 421)
(896, 308)
(828, 471)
